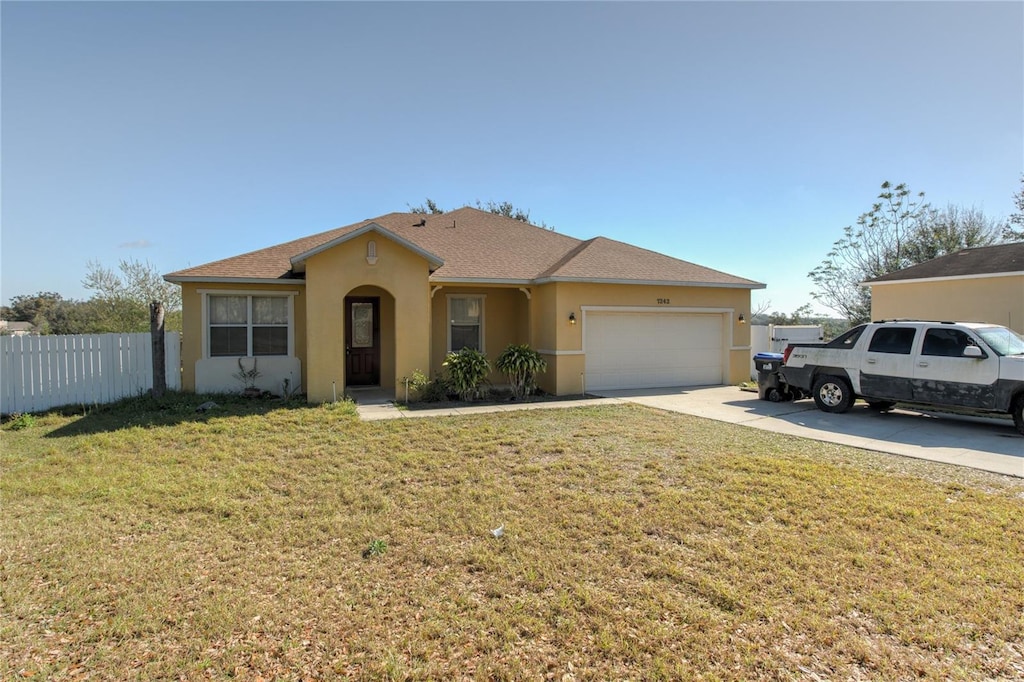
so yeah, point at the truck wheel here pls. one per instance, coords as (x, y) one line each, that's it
(881, 405)
(1018, 414)
(832, 394)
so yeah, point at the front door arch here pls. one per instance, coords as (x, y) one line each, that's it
(362, 340)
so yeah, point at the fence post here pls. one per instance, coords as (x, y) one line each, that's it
(156, 333)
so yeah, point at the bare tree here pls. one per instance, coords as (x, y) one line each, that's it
(1010, 232)
(122, 299)
(876, 246)
(900, 230)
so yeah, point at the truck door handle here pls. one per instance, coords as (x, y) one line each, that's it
(871, 361)
(922, 364)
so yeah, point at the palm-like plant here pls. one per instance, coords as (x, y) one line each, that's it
(521, 364)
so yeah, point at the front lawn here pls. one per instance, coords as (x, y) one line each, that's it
(301, 543)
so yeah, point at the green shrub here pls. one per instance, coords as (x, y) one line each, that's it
(467, 373)
(521, 364)
(21, 421)
(427, 389)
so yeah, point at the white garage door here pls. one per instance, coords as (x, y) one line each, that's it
(652, 350)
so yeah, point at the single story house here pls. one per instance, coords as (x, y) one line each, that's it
(983, 284)
(370, 303)
(18, 328)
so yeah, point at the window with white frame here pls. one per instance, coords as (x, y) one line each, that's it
(466, 322)
(248, 325)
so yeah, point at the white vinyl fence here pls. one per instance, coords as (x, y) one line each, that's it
(40, 372)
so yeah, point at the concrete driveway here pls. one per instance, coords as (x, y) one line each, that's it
(990, 444)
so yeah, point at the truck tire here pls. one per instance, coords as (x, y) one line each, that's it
(881, 405)
(1018, 414)
(832, 394)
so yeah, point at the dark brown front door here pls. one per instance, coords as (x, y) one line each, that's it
(362, 341)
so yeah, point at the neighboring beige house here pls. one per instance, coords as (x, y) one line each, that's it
(984, 284)
(18, 328)
(370, 303)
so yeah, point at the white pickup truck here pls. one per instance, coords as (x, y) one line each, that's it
(963, 365)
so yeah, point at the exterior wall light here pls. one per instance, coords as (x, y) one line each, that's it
(742, 319)
(572, 317)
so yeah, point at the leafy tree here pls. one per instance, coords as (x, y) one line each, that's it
(1010, 232)
(949, 230)
(831, 327)
(802, 315)
(121, 300)
(48, 311)
(876, 246)
(900, 230)
(428, 207)
(503, 208)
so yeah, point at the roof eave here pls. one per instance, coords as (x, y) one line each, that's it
(233, 280)
(480, 280)
(654, 282)
(941, 278)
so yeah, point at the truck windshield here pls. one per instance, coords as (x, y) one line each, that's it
(1002, 340)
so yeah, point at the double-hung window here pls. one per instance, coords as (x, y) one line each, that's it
(466, 322)
(244, 325)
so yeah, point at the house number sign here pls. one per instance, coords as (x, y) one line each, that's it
(664, 301)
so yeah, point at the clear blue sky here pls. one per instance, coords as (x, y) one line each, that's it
(741, 136)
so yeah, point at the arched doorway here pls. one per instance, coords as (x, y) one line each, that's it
(369, 337)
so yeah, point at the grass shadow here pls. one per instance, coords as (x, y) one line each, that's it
(172, 409)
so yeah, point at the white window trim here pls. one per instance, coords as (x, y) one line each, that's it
(206, 293)
(448, 320)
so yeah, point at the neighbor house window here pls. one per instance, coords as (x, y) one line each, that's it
(248, 325)
(466, 322)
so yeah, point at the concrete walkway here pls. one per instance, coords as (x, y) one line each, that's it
(989, 444)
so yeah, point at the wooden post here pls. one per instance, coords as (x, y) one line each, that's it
(156, 332)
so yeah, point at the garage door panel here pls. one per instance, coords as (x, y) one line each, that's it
(653, 350)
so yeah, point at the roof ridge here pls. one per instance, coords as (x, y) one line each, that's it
(665, 255)
(949, 264)
(567, 258)
(283, 246)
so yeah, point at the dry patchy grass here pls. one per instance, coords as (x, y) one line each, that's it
(156, 544)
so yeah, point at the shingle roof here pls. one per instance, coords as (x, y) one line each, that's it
(609, 260)
(476, 245)
(982, 260)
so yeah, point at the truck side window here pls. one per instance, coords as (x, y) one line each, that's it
(948, 343)
(847, 339)
(897, 340)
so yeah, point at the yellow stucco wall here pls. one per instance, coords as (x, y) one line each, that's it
(192, 322)
(414, 323)
(506, 320)
(544, 333)
(998, 300)
(399, 277)
(567, 364)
